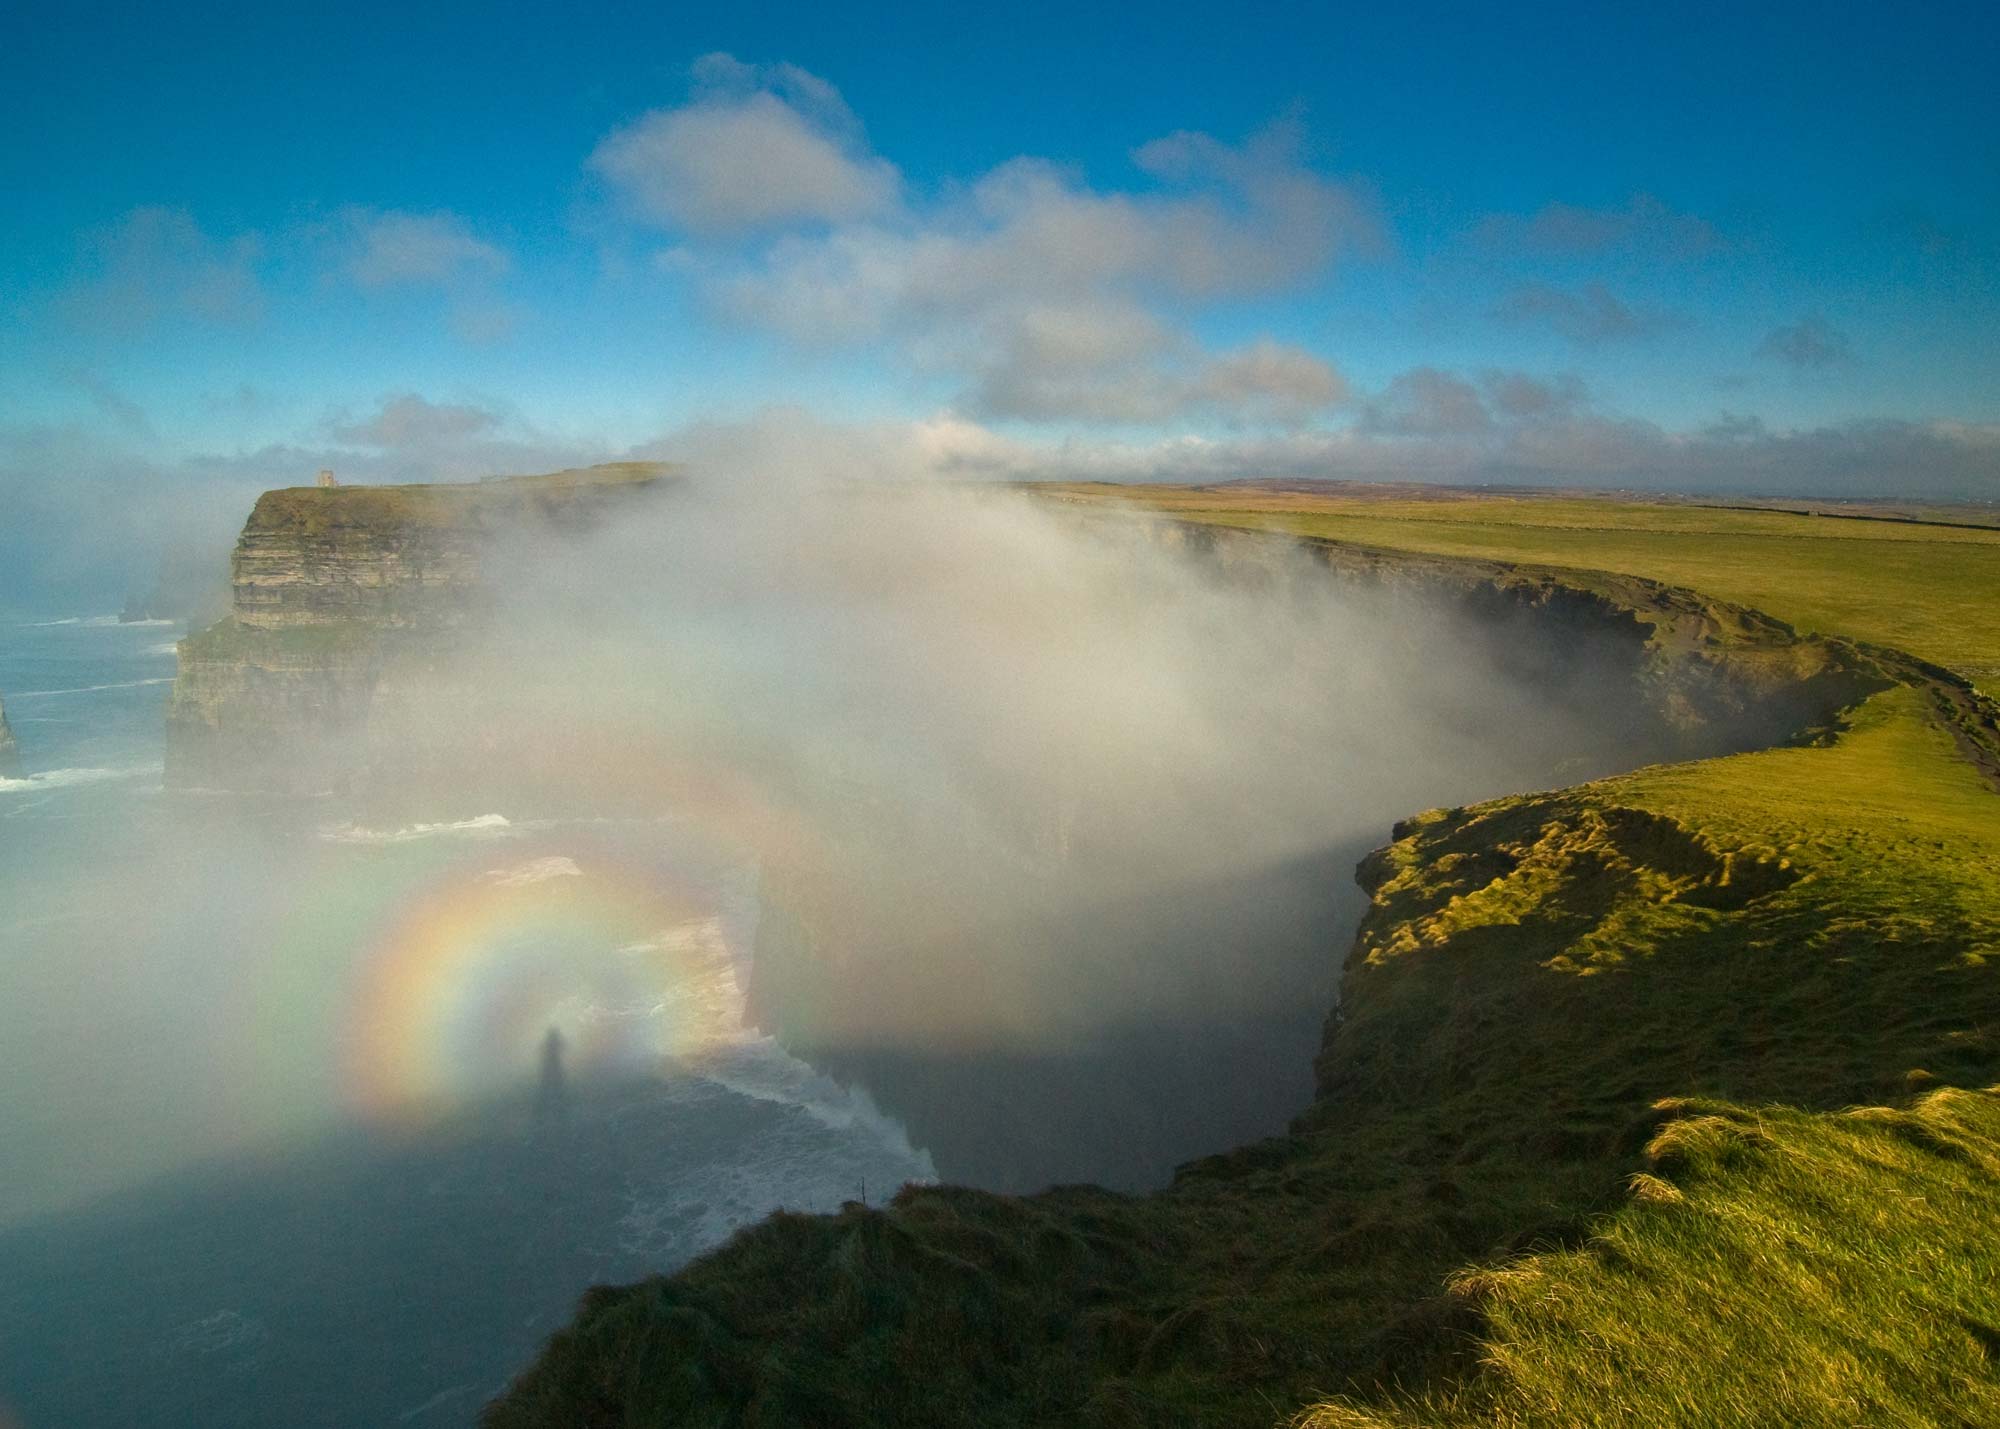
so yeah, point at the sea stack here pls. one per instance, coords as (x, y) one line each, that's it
(10, 753)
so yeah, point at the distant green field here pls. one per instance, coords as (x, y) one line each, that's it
(1929, 589)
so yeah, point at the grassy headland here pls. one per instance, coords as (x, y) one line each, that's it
(1828, 940)
(316, 511)
(1585, 1148)
(1929, 588)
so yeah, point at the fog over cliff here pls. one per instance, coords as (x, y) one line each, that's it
(844, 826)
(1015, 781)
(1040, 798)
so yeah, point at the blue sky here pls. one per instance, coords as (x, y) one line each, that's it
(1690, 246)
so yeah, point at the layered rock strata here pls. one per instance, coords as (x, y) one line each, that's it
(340, 599)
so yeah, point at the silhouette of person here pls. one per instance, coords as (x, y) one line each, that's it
(552, 1095)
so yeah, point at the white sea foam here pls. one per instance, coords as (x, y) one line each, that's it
(64, 778)
(759, 1067)
(796, 1166)
(168, 647)
(436, 1401)
(754, 1065)
(484, 826)
(743, 1060)
(96, 622)
(536, 870)
(92, 689)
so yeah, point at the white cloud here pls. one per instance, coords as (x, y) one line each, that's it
(388, 249)
(1590, 314)
(1526, 398)
(1505, 427)
(1810, 343)
(410, 421)
(157, 263)
(1044, 298)
(1643, 224)
(1269, 382)
(1113, 363)
(1242, 223)
(752, 149)
(1425, 402)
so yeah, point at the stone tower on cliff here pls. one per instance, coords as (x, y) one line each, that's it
(326, 478)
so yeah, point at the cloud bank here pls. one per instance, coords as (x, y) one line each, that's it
(1038, 295)
(753, 148)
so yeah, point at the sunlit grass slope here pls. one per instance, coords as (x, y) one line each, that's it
(1585, 1151)
(1782, 935)
(1933, 590)
(1773, 1267)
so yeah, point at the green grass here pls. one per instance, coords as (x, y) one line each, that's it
(316, 511)
(1772, 1267)
(1785, 934)
(1543, 984)
(1932, 590)
(1583, 1153)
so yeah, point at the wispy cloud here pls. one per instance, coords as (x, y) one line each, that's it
(155, 264)
(1589, 314)
(1810, 344)
(1045, 298)
(389, 249)
(411, 422)
(1642, 224)
(1425, 402)
(1584, 449)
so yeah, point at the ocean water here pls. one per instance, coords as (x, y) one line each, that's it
(308, 1119)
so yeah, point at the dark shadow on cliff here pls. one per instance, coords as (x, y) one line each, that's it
(1239, 973)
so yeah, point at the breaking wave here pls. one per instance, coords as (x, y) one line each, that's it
(94, 622)
(537, 870)
(757, 1066)
(93, 689)
(487, 826)
(64, 778)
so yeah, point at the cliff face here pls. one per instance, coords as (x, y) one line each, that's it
(1655, 674)
(1578, 1034)
(1684, 676)
(322, 557)
(335, 595)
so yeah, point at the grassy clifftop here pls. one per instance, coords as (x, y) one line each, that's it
(1584, 1151)
(316, 511)
(1808, 930)
(1925, 587)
